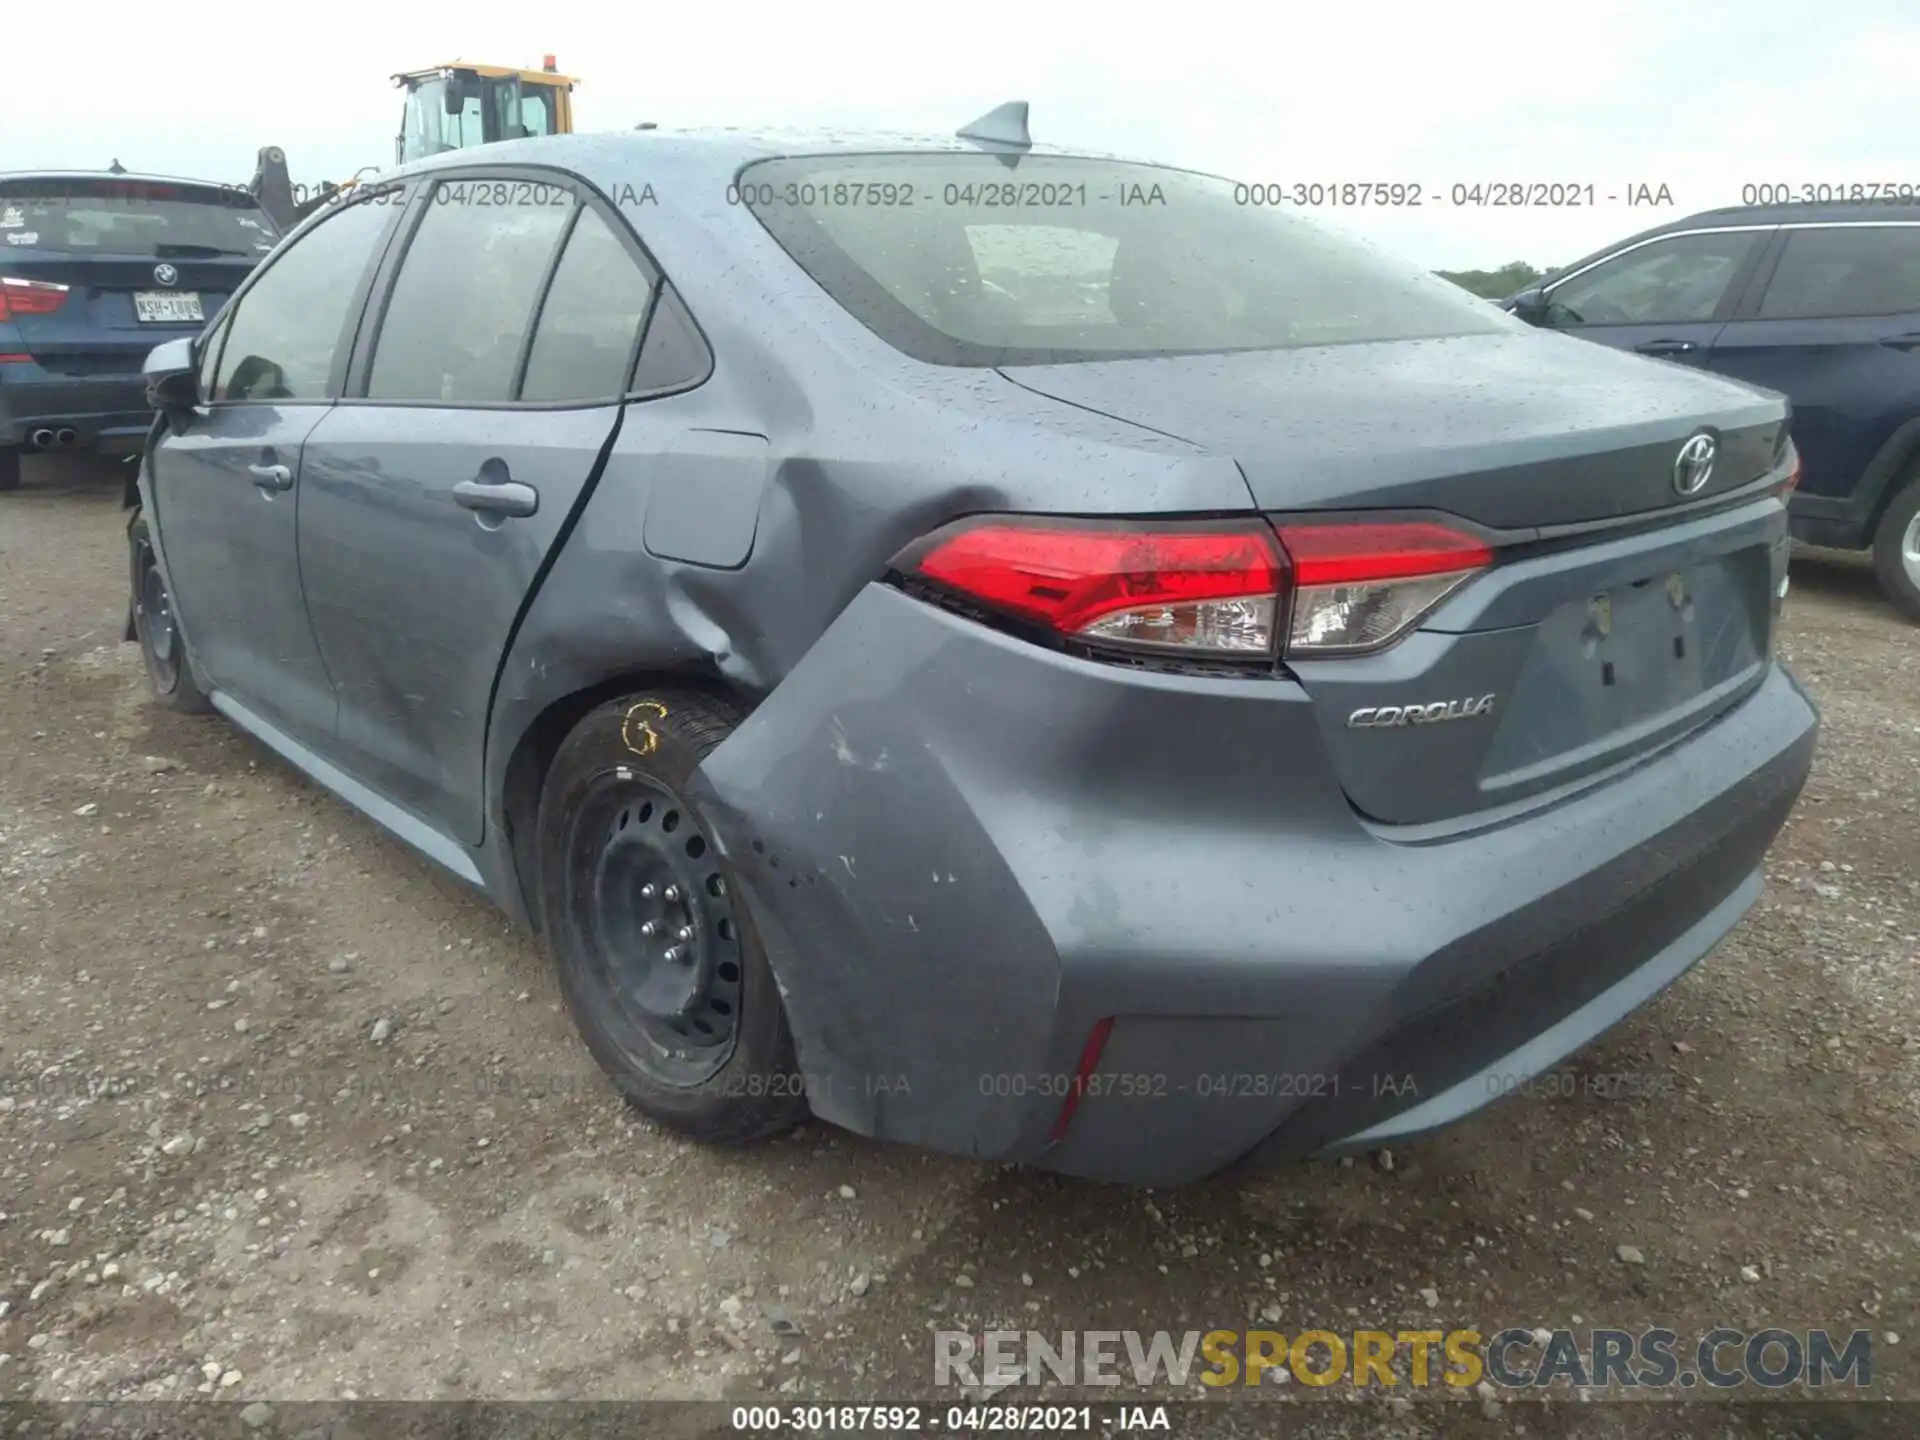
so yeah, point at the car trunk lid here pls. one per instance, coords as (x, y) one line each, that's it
(1619, 613)
(1511, 430)
(1555, 666)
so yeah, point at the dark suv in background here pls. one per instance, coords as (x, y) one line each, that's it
(1819, 302)
(95, 270)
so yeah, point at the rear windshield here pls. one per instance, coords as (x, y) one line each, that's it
(144, 218)
(959, 259)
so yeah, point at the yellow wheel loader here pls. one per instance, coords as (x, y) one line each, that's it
(448, 107)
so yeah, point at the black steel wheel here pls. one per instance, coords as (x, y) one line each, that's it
(169, 676)
(658, 925)
(655, 951)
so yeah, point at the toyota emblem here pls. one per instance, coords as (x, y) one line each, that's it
(1693, 466)
(165, 274)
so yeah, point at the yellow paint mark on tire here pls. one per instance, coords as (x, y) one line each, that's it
(636, 729)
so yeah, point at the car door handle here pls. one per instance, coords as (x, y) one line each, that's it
(1909, 341)
(1666, 347)
(508, 498)
(271, 477)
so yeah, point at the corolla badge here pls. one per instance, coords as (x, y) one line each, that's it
(1693, 466)
(1386, 717)
(165, 274)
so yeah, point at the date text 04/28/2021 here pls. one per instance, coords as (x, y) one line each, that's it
(967, 1419)
(1459, 194)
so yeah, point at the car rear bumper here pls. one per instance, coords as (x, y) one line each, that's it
(963, 853)
(104, 412)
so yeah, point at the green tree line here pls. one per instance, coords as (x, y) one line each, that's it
(1495, 284)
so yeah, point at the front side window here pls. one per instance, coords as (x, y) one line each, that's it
(209, 356)
(958, 260)
(464, 296)
(420, 121)
(583, 345)
(427, 129)
(289, 326)
(1678, 280)
(1853, 270)
(466, 127)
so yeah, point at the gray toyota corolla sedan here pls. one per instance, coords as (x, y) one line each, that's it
(1019, 653)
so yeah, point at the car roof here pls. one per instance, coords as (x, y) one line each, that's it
(135, 177)
(748, 142)
(709, 152)
(1848, 212)
(1759, 216)
(132, 175)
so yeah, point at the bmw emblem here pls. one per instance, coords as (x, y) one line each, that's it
(164, 274)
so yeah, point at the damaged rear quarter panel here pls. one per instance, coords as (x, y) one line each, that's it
(913, 970)
(853, 451)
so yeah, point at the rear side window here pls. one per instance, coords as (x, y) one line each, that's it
(583, 345)
(522, 112)
(674, 356)
(287, 329)
(461, 304)
(958, 260)
(1674, 281)
(147, 219)
(1863, 270)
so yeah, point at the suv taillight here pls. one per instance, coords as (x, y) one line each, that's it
(29, 297)
(1215, 590)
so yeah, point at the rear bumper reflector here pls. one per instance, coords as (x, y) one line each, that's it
(1089, 1062)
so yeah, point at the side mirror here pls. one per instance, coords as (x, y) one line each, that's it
(173, 379)
(1530, 305)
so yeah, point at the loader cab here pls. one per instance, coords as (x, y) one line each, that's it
(454, 107)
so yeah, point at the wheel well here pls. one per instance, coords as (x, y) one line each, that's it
(1901, 458)
(1906, 480)
(533, 754)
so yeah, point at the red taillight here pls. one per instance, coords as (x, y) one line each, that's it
(1089, 1062)
(1363, 554)
(29, 297)
(1360, 587)
(1213, 588)
(1793, 472)
(1199, 588)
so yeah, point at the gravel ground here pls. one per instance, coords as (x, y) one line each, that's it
(289, 1117)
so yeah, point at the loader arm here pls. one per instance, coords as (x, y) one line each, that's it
(272, 188)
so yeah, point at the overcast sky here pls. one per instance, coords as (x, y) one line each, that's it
(1701, 97)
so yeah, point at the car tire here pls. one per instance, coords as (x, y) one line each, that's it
(9, 467)
(162, 648)
(1896, 550)
(684, 1017)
